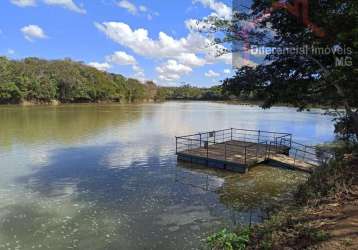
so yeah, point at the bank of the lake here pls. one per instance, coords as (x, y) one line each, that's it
(106, 176)
(322, 214)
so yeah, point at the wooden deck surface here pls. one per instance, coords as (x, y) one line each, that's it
(289, 162)
(233, 152)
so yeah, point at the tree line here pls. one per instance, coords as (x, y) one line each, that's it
(188, 92)
(42, 81)
(36, 80)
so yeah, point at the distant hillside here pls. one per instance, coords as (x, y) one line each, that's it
(42, 81)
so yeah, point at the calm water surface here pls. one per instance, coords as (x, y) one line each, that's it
(106, 176)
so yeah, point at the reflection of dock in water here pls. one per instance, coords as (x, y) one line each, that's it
(214, 181)
(240, 149)
(199, 177)
(247, 198)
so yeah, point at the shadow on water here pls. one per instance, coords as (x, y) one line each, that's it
(67, 123)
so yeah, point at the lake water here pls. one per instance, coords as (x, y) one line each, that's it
(106, 176)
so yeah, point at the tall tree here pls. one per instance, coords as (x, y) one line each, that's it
(313, 57)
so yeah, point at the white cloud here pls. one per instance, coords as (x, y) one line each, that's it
(220, 9)
(139, 75)
(139, 72)
(195, 25)
(24, 3)
(218, 53)
(227, 71)
(164, 47)
(212, 73)
(121, 58)
(190, 59)
(143, 8)
(134, 10)
(130, 7)
(11, 51)
(67, 4)
(136, 68)
(194, 50)
(32, 32)
(100, 66)
(172, 70)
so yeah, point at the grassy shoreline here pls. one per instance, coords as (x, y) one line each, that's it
(320, 216)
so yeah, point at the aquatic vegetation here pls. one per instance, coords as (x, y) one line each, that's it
(226, 240)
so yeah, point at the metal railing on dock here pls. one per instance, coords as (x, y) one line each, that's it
(312, 155)
(238, 149)
(240, 145)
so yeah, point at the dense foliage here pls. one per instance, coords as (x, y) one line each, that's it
(187, 92)
(42, 81)
(326, 75)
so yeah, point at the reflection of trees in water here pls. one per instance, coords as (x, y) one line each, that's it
(66, 123)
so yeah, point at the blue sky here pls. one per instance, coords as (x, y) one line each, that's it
(149, 40)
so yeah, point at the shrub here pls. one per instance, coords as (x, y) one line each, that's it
(9, 93)
(226, 240)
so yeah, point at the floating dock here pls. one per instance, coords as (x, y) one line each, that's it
(240, 149)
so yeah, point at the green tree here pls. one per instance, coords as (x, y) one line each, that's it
(305, 78)
(40, 80)
(9, 93)
(135, 90)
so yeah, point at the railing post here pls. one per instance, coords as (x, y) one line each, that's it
(176, 145)
(207, 154)
(225, 151)
(200, 140)
(231, 134)
(245, 155)
(266, 152)
(269, 150)
(258, 145)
